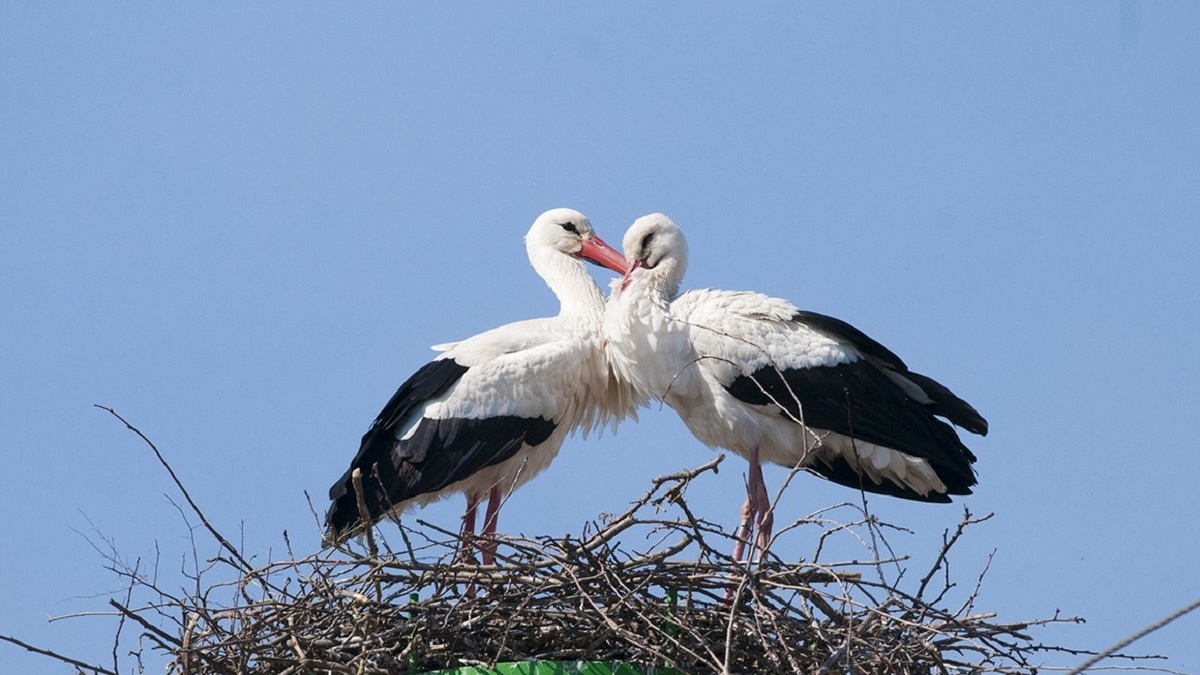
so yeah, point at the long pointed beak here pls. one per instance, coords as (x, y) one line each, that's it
(597, 252)
(628, 274)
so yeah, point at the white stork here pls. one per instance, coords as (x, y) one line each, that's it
(768, 381)
(491, 411)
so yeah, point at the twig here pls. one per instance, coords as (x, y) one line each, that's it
(1135, 637)
(121, 620)
(179, 484)
(595, 595)
(947, 545)
(58, 657)
(158, 632)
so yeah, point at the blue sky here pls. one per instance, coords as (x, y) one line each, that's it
(243, 226)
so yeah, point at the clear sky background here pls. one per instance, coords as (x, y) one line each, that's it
(243, 226)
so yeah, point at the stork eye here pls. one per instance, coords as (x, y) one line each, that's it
(646, 241)
(570, 227)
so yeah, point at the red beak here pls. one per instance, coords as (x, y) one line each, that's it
(626, 278)
(596, 251)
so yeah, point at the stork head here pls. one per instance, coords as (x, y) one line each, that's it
(570, 232)
(657, 254)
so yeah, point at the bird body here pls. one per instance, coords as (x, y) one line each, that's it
(768, 381)
(491, 411)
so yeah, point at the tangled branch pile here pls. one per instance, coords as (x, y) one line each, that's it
(680, 603)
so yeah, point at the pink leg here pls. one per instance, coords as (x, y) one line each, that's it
(743, 531)
(750, 511)
(489, 526)
(467, 533)
(751, 508)
(764, 519)
(468, 521)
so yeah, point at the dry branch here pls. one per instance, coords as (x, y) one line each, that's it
(647, 586)
(594, 596)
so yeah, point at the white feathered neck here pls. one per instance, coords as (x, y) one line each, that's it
(577, 292)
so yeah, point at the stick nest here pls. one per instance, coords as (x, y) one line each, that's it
(674, 599)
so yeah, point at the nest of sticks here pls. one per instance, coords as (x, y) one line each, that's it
(654, 586)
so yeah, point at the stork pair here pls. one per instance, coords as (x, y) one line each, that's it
(746, 372)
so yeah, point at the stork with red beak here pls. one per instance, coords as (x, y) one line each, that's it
(773, 383)
(492, 411)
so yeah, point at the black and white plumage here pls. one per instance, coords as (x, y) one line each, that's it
(492, 411)
(758, 376)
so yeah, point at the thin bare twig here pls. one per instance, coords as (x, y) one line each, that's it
(182, 490)
(1135, 637)
(56, 656)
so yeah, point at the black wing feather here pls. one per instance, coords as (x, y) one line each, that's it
(839, 471)
(944, 402)
(439, 453)
(858, 400)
